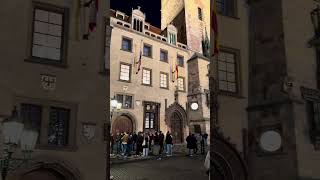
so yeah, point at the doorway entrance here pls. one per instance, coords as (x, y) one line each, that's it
(176, 128)
(121, 124)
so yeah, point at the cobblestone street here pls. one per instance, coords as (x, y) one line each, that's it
(173, 168)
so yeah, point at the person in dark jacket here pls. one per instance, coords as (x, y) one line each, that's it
(139, 144)
(156, 146)
(169, 144)
(130, 142)
(151, 138)
(134, 138)
(194, 143)
(202, 144)
(161, 140)
(189, 144)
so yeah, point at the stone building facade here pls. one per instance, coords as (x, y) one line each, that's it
(56, 79)
(283, 91)
(147, 95)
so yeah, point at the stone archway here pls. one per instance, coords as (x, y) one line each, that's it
(46, 169)
(226, 161)
(123, 122)
(176, 119)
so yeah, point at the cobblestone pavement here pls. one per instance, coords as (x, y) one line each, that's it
(171, 168)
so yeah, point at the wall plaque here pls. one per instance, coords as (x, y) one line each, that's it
(48, 82)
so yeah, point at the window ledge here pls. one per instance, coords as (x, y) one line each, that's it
(147, 56)
(130, 51)
(124, 81)
(46, 62)
(166, 88)
(149, 85)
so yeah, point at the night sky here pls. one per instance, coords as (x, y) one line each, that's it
(150, 7)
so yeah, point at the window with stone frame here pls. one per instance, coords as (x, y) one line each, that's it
(172, 38)
(126, 44)
(55, 122)
(125, 100)
(226, 7)
(48, 34)
(164, 80)
(146, 76)
(125, 72)
(147, 50)
(31, 114)
(151, 116)
(58, 126)
(138, 25)
(180, 61)
(181, 86)
(227, 72)
(163, 55)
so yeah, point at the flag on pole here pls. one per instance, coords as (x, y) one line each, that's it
(140, 59)
(214, 24)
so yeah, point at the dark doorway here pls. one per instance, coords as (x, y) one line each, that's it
(176, 128)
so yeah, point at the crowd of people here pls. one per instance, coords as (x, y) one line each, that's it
(144, 144)
(141, 144)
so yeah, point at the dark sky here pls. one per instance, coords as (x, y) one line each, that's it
(150, 7)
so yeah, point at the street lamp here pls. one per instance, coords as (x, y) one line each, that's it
(14, 131)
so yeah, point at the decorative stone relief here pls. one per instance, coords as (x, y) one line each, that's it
(48, 82)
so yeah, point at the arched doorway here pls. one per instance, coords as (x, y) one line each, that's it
(122, 123)
(176, 127)
(176, 119)
(41, 174)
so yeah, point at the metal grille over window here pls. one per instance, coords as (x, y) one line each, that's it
(163, 80)
(58, 126)
(146, 79)
(125, 72)
(227, 72)
(181, 84)
(47, 35)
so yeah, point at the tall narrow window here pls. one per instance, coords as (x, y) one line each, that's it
(200, 13)
(163, 55)
(164, 80)
(172, 39)
(126, 44)
(146, 77)
(147, 50)
(32, 114)
(48, 34)
(151, 115)
(180, 61)
(58, 126)
(125, 71)
(227, 72)
(181, 84)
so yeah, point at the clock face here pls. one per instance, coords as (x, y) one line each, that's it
(194, 106)
(270, 141)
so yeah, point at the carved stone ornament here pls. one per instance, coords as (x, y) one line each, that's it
(88, 130)
(48, 82)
